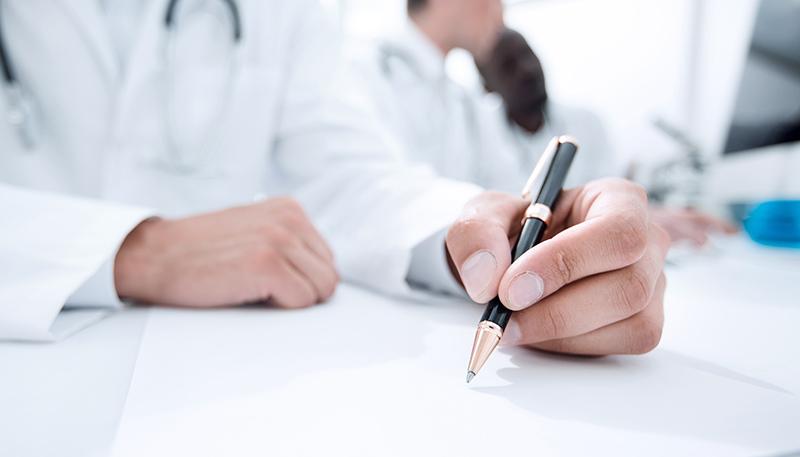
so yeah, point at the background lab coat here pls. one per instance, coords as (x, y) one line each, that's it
(461, 134)
(596, 159)
(292, 124)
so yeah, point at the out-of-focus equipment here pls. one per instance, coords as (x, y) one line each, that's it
(775, 223)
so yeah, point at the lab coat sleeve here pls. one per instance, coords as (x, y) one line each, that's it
(347, 170)
(430, 269)
(54, 250)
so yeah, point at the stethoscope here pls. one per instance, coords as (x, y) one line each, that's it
(21, 112)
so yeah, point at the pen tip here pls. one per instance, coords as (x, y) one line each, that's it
(470, 375)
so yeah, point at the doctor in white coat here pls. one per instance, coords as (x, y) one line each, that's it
(461, 133)
(529, 118)
(139, 134)
(120, 110)
(439, 122)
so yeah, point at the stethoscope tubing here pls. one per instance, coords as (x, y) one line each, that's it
(21, 107)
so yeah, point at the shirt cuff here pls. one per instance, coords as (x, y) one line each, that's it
(429, 268)
(99, 290)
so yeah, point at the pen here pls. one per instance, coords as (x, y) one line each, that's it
(543, 189)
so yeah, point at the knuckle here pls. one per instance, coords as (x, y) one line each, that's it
(629, 187)
(279, 237)
(646, 334)
(631, 237)
(487, 196)
(624, 185)
(288, 209)
(295, 217)
(274, 203)
(465, 228)
(264, 257)
(634, 292)
(566, 266)
(287, 203)
(555, 324)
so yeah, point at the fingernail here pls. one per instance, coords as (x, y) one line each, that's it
(477, 272)
(525, 290)
(512, 334)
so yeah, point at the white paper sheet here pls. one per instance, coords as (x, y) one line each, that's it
(65, 399)
(366, 376)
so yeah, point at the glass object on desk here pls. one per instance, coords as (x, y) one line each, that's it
(775, 223)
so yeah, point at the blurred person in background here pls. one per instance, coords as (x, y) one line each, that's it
(437, 121)
(456, 131)
(529, 118)
(488, 140)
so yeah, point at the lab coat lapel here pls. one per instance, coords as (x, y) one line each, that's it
(89, 20)
(148, 45)
(143, 58)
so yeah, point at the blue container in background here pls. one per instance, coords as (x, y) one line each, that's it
(775, 223)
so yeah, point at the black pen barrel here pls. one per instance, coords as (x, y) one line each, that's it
(557, 175)
(543, 189)
(533, 229)
(531, 235)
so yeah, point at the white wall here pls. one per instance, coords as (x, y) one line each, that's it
(722, 50)
(625, 59)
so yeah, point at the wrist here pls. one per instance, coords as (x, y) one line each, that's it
(135, 263)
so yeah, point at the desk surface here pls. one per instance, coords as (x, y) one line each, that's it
(367, 375)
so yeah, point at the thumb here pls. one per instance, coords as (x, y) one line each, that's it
(478, 242)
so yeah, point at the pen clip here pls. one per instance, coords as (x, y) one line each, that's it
(539, 174)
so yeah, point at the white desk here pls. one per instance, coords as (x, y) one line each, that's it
(366, 375)
(66, 399)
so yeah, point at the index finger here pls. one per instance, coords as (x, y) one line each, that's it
(607, 229)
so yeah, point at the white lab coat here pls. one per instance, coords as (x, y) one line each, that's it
(465, 134)
(439, 123)
(292, 124)
(595, 159)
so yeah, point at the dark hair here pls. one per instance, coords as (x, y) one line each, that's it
(415, 5)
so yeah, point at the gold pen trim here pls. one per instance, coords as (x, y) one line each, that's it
(569, 139)
(538, 174)
(488, 334)
(538, 211)
(487, 337)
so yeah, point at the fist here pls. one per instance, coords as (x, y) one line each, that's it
(264, 252)
(594, 286)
